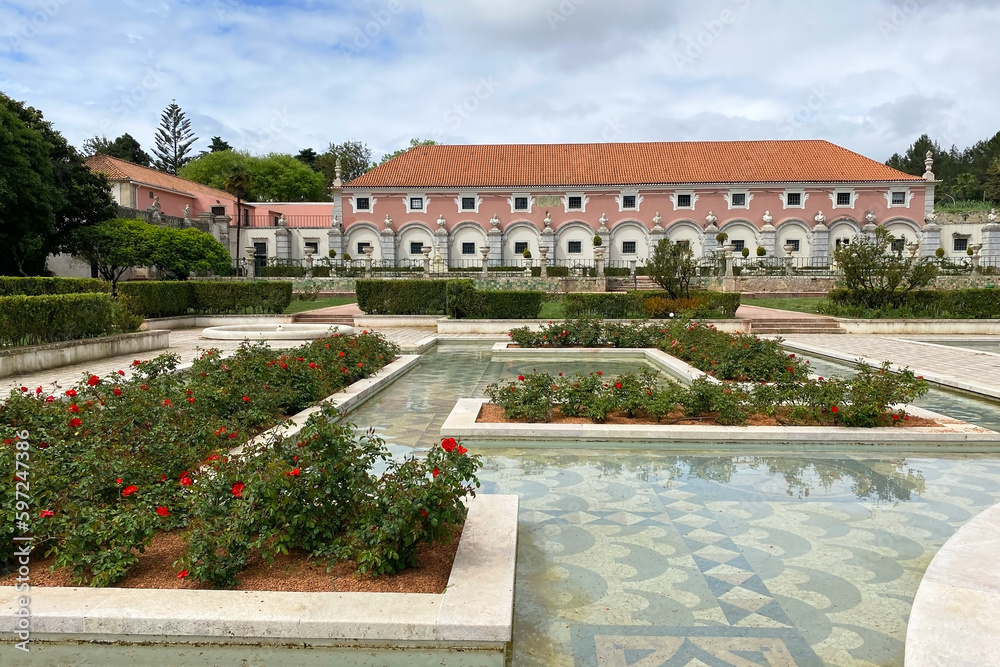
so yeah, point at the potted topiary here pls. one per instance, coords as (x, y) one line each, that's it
(598, 241)
(939, 253)
(332, 253)
(761, 251)
(721, 238)
(745, 252)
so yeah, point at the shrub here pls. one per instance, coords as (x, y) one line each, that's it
(39, 286)
(877, 277)
(402, 297)
(945, 304)
(658, 305)
(465, 302)
(235, 297)
(613, 305)
(34, 320)
(158, 298)
(551, 271)
(672, 266)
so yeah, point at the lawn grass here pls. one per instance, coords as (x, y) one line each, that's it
(804, 304)
(552, 310)
(302, 306)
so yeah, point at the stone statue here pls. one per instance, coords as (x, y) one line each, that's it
(657, 221)
(604, 222)
(187, 211)
(870, 217)
(767, 218)
(336, 222)
(155, 206)
(710, 219)
(441, 221)
(820, 218)
(992, 217)
(387, 222)
(495, 221)
(282, 222)
(548, 220)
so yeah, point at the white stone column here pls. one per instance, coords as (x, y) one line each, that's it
(991, 236)
(283, 243)
(768, 236)
(930, 239)
(388, 241)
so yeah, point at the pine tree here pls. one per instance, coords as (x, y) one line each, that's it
(173, 139)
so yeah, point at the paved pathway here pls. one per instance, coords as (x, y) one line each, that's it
(763, 313)
(977, 372)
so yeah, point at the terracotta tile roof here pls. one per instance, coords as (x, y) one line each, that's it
(121, 170)
(613, 164)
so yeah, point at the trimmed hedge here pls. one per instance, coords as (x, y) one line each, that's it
(35, 320)
(464, 301)
(202, 297)
(550, 271)
(961, 304)
(38, 286)
(401, 297)
(630, 305)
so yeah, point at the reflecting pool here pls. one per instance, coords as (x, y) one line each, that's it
(639, 557)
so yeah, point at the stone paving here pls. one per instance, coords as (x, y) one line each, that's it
(969, 370)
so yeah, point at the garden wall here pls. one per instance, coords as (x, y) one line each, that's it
(20, 360)
(492, 283)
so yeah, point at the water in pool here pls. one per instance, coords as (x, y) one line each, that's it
(707, 557)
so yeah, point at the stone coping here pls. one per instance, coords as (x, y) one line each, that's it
(446, 325)
(33, 358)
(476, 609)
(919, 326)
(673, 366)
(202, 321)
(967, 384)
(955, 618)
(461, 423)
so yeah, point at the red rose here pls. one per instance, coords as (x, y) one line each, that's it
(312, 364)
(232, 436)
(246, 399)
(71, 393)
(38, 390)
(50, 399)
(435, 472)
(186, 481)
(360, 365)
(221, 431)
(462, 450)
(121, 372)
(74, 408)
(162, 511)
(340, 354)
(835, 409)
(449, 444)
(144, 387)
(238, 489)
(895, 417)
(190, 400)
(75, 422)
(293, 473)
(423, 512)
(167, 402)
(182, 574)
(43, 445)
(47, 513)
(118, 481)
(93, 380)
(136, 362)
(520, 378)
(117, 391)
(599, 373)
(618, 385)
(129, 490)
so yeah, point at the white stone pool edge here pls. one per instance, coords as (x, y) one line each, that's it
(475, 611)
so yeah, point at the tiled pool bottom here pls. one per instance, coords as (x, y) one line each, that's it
(631, 558)
(653, 558)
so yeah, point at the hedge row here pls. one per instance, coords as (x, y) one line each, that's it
(971, 304)
(35, 320)
(38, 286)
(169, 299)
(629, 305)
(458, 299)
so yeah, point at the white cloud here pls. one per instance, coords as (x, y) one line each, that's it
(267, 75)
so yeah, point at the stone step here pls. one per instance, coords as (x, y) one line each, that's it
(794, 330)
(309, 318)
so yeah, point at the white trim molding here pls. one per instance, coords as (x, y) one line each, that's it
(838, 191)
(802, 200)
(909, 195)
(425, 200)
(620, 199)
(371, 203)
(474, 195)
(513, 198)
(677, 194)
(584, 200)
(748, 197)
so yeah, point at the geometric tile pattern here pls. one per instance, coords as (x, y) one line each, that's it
(642, 557)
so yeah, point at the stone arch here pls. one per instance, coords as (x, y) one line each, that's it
(575, 230)
(899, 222)
(690, 231)
(413, 232)
(741, 229)
(793, 229)
(362, 232)
(466, 232)
(520, 231)
(628, 231)
(843, 229)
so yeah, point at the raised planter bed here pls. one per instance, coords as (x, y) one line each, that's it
(19, 360)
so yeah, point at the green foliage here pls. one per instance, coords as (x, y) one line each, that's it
(154, 298)
(551, 271)
(971, 304)
(761, 251)
(46, 190)
(272, 177)
(672, 266)
(401, 297)
(415, 142)
(355, 159)
(598, 241)
(965, 174)
(139, 438)
(612, 305)
(115, 246)
(181, 252)
(203, 297)
(463, 301)
(875, 276)
(38, 286)
(173, 139)
(658, 305)
(34, 320)
(124, 147)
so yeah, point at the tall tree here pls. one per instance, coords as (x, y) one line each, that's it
(174, 137)
(355, 159)
(219, 145)
(413, 144)
(307, 156)
(116, 245)
(239, 182)
(991, 184)
(46, 190)
(276, 177)
(124, 147)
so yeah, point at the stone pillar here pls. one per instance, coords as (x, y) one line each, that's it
(485, 252)
(821, 244)
(440, 247)
(788, 248)
(975, 257)
(283, 243)
(930, 239)
(309, 262)
(426, 251)
(929, 188)
(768, 237)
(991, 236)
(599, 260)
(335, 239)
(728, 250)
(249, 263)
(368, 261)
(494, 240)
(388, 242)
(544, 252)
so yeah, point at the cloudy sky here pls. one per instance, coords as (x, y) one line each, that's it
(281, 75)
